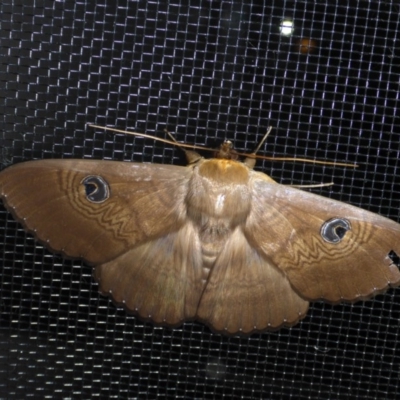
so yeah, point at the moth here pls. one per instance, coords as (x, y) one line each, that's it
(215, 241)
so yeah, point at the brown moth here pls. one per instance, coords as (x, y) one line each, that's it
(214, 241)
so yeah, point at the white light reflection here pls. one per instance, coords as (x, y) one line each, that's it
(286, 27)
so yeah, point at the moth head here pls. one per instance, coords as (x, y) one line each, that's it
(334, 230)
(226, 151)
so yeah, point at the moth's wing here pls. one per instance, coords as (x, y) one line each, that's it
(286, 225)
(135, 203)
(160, 280)
(147, 256)
(246, 293)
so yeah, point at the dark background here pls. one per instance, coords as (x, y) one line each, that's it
(206, 70)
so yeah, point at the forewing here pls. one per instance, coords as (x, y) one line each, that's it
(286, 225)
(138, 203)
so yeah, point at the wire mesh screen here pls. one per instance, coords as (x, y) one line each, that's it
(324, 75)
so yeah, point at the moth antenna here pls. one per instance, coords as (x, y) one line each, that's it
(171, 136)
(173, 142)
(317, 185)
(249, 157)
(250, 160)
(262, 140)
(191, 156)
(306, 160)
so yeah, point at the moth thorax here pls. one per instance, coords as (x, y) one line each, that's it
(226, 172)
(212, 194)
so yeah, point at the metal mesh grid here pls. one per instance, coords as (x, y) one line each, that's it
(205, 70)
